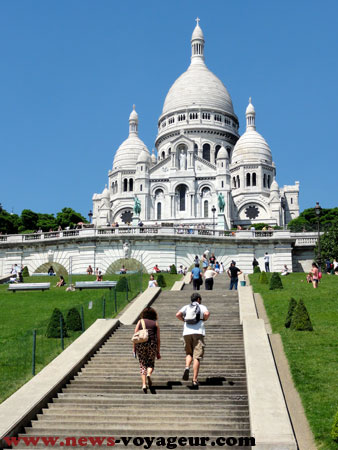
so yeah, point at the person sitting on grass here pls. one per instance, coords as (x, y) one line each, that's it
(123, 270)
(90, 270)
(99, 276)
(152, 282)
(285, 270)
(61, 282)
(156, 269)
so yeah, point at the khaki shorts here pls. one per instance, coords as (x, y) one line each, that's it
(194, 345)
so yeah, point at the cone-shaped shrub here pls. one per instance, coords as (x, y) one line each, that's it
(292, 306)
(54, 329)
(257, 269)
(334, 432)
(275, 282)
(73, 320)
(25, 272)
(160, 280)
(263, 278)
(300, 318)
(122, 284)
(173, 269)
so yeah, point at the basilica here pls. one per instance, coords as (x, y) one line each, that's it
(200, 157)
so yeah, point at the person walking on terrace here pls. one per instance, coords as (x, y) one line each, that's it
(233, 273)
(196, 277)
(193, 315)
(148, 351)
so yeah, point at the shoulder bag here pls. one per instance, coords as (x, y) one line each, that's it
(140, 335)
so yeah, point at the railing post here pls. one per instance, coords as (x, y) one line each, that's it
(82, 319)
(103, 307)
(127, 290)
(33, 352)
(61, 333)
(115, 300)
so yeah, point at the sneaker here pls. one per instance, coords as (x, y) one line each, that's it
(186, 374)
(195, 384)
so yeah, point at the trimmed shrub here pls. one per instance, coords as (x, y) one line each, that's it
(160, 280)
(122, 284)
(275, 282)
(292, 306)
(301, 319)
(257, 269)
(263, 278)
(25, 272)
(173, 269)
(73, 320)
(54, 329)
(334, 431)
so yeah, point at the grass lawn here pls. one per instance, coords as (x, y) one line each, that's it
(22, 312)
(313, 356)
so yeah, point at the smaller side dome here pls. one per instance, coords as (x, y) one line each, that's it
(222, 154)
(197, 33)
(153, 157)
(250, 108)
(143, 157)
(105, 193)
(133, 114)
(274, 186)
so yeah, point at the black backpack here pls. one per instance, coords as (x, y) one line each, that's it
(192, 314)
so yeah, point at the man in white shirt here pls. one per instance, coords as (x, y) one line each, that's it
(193, 334)
(267, 262)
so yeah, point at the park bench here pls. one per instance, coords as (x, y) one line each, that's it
(129, 272)
(95, 284)
(42, 274)
(5, 278)
(29, 287)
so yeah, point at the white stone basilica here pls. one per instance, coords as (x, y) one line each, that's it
(200, 155)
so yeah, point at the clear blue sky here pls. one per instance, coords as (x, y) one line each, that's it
(72, 69)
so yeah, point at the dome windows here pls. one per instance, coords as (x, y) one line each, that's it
(206, 116)
(218, 118)
(181, 117)
(193, 116)
(171, 120)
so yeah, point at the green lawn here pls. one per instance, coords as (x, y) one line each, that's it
(22, 312)
(313, 356)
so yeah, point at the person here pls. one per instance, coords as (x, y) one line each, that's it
(152, 282)
(221, 268)
(267, 262)
(51, 271)
(233, 273)
(90, 270)
(204, 262)
(328, 266)
(217, 267)
(193, 334)
(156, 269)
(335, 266)
(255, 263)
(96, 271)
(196, 277)
(314, 275)
(209, 276)
(99, 276)
(285, 270)
(196, 260)
(148, 351)
(61, 282)
(212, 260)
(15, 270)
(123, 270)
(180, 270)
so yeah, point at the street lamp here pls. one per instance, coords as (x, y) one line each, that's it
(0, 207)
(90, 215)
(213, 210)
(283, 205)
(318, 210)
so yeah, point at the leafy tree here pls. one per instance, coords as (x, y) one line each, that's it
(54, 329)
(257, 269)
(25, 272)
(69, 218)
(292, 306)
(122, 284)
(275, 282)
(329, 243)
(308, 220)
(29, 220)
(300, 318)
(173, 269)
(9, 223)
(160, 280)
(46, 222)
(73, 320)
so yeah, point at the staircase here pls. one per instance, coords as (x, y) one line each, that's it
(106, 399)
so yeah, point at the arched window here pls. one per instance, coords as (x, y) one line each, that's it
(248, 177)
(238, 182)
(195, 149)
(234, 182)
(254, 179)
(131, 184)
(141, 187)
(206, 209)
(163, 155)
(269, 181)
(291, 200)
(206, 152)
(125, 185)
(159, 211)
(217, 148)
(181, 191)
(222, 184)
(169, 151)
(264, 180)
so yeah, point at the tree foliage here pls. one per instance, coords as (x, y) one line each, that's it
(73, 320)
(9, 223)
(334, 431)
(122, 284)
(275, 282)
(257, 269)
(292, 306)
(263, 278)
(69, 218)
(54, 328)
(329, 243)
(160, 280)
(308, 220)
(300, 318)
(173, 269)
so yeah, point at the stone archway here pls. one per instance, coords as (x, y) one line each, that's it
(128, 263)
(59, 269)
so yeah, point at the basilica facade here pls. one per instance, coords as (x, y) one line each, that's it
(199, 155)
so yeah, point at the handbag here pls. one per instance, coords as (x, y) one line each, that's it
(201, 279)
(140, 335)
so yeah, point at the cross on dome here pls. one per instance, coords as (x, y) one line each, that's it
(197, 21)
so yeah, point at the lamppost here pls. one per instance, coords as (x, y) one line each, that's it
(283, 205)
(318, 210)
(213, 210)
(0, 207)
(90, 215)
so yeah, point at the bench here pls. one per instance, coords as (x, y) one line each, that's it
(95, 284)
(42, 274)
(129, 272)
(29, 287)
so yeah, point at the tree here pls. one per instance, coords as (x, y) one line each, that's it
(54, 328)
(160, 280)
(257, 269)
(46, 222)
(292, 306)
(275, 282)
(308, 220)
(9, 223)
(73, 320)
(69, 218)
(263, 278)
(329, 243)
(173, 269)
(300, 318)
(29, 220)
(122, 284)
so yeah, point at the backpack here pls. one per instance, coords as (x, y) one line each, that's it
(192, 314)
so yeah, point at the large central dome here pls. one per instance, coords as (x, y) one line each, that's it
(198, 86)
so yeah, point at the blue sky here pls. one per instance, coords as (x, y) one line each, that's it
(72, 69)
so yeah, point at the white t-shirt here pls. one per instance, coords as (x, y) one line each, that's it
(209, 274)
(152, 283)
(266, 258)
(197, 328)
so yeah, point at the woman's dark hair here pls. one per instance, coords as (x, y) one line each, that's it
(197, 265)
(195, 296)
(149, 313)
(314, 265)
(61, 277)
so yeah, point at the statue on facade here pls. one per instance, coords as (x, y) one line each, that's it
(137, 206)
(221, 202)
(183, 160)
(126, 250)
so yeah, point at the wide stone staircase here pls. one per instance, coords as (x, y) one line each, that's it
(105, 398)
